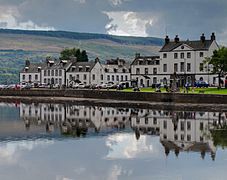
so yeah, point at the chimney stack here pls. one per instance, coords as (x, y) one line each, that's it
(213, 37)
(27, 63)
(203, 38)
(137, 55)
(177, 39)
(167, 40)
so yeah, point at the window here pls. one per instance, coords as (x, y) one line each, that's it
(117, 78)
(165, 125)
(102, 77)
(146, 120)
(48, 72)
(85, 76)
(45, 72)
(77, 76)
(112, 77)
(201, 54)
(45, 80)
(108, 77)
(137, 70)
(188, 55)
(182, 126)
(60, 81)
(201, 66)
(188, 67)
(146, 70)
(182, 66)
(36, 77)
(115, 70)
(23, 77)
(164, 67)
(188, 137)
(122, 78)
(154, 70)
(182, 55)
(93, 77)
(164, 55)
(154, 80)
(56, 72)
(52, 73)
(60, 72)
(175, 55)
(175, 67)
(201, 126)
(188, 125)
(30, 77)
(155, 121)
(126, 78)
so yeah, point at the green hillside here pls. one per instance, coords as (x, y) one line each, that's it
(18, 45)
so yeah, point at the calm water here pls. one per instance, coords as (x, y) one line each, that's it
(70, 142)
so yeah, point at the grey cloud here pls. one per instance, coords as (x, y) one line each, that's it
(188, 18)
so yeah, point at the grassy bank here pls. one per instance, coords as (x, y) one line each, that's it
(196, 90)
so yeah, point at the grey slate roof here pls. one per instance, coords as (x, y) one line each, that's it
(57, 64)
(195, 45)
(33, 68)
(82, 66)
(145, 60)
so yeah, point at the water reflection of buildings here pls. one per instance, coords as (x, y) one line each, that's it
(74, 119)
(180, 131)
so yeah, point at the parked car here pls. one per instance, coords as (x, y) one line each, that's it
(2, 86)
(201, 84)
(80, 85)
(43, 86)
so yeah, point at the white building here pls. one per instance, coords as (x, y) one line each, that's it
(117, 71)
(185, 58)
(86, 73)
(145, 70)
(31, 73)
(54, 72)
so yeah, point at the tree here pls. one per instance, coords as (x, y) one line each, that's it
(84, 57)
(68, 53)
(218, 62)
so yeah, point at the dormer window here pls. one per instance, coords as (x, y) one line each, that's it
(80, 68)
(39, 69)
(124, 70)
(201, 54)
(26, 68)
(106, 70)
(87, 68)
(115, 70)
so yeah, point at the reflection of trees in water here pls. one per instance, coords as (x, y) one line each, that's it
(219, 132)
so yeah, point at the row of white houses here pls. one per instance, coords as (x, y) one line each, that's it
(178, 131)
(184, 58)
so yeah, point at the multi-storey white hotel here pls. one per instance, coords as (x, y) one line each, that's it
(183, 60)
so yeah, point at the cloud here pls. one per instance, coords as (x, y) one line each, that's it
(8, 19)
(128, 24)
(11, 151)
(187, 18)
(117, 2)
(125, 146)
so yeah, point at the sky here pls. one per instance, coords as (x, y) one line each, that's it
(146, 18)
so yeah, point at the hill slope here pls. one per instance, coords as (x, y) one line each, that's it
(18, 45)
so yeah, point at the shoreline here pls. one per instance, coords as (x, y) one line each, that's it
(116, 103)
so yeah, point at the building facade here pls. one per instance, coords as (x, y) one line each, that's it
(186, 60)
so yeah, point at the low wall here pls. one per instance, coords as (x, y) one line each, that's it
(118, 95)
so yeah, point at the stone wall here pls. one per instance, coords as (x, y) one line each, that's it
(118, 95)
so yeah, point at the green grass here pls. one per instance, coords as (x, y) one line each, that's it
(212, 90)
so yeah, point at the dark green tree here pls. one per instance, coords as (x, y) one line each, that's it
(84, 57)
(219, 62)
(68, 53)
